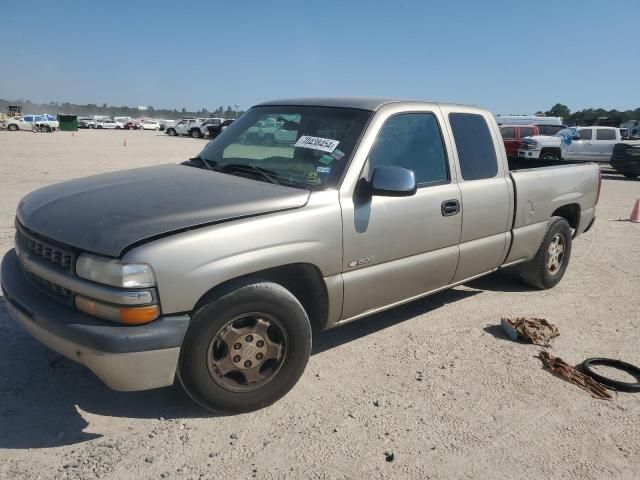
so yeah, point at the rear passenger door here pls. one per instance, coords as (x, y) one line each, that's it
(485, 189)
(603, 144)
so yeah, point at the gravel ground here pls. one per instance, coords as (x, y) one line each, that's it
(428, 390)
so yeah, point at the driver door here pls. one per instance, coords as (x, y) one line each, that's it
(396, 248)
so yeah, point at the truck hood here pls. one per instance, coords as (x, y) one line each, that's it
(547, 139)
(107, 213)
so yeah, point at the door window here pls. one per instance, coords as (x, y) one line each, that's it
(412, 141)
(476, 153)
(605, 134)
(508, 133)
(526, 132)
(585, 134)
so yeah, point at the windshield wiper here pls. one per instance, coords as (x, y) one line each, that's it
(241, 167)
(208, 164)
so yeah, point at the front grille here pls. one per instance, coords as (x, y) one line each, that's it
(48, 251)
(52, 287)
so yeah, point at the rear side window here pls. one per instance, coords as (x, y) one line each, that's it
(412, 141)
(526, 132)
(474, 144)
(605, 134)
(508, 132)
(585, 134)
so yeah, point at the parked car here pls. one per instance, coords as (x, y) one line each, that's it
(213, 130)
(131, 125)
(150, 125)
(110, 124)
(187, 126)
(588, 144)
(512, 136)
(377, 203)
(86, 122)
(31, 122)
(626, 159)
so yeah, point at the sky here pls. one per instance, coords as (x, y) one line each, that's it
(507, 56)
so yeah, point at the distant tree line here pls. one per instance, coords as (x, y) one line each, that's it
(91, 109)
(592, 116)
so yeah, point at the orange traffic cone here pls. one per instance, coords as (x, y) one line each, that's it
(635, 213)
(125, 142)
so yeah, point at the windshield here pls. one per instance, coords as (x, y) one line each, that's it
(303, 147)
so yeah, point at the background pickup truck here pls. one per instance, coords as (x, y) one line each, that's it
(582, 144)
(375, 204)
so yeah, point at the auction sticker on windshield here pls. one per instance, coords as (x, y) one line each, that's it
(317, 143)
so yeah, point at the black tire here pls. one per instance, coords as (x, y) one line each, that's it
(630, 175)
(269, 140)
(253, 298)
(171, 132)
(549, 156)
(99, 127)
(537, 272)
(13, 127)
(195, 133)
(609, 382)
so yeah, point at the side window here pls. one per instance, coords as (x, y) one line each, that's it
(474, 144)
(28, 118)
(526, 132)
(508, 132)
(585, 134)
(413, 141)
(605, 134)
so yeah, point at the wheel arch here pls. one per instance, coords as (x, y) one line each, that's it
(555, 150)
(303, 280)
(571, 213)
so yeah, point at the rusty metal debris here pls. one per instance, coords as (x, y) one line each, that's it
(536, 330)
(562, 369)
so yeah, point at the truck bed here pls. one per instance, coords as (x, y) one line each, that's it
(540, 191)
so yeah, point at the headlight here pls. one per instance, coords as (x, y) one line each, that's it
(113, 272)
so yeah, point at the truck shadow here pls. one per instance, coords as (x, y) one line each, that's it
(43, 396)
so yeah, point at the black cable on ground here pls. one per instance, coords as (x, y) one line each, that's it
(608, 382)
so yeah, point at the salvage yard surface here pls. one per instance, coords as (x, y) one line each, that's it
(432, 389)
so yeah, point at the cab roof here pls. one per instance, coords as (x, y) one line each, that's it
(361, 103)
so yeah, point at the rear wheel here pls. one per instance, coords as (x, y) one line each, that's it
(246, 348)
(547, 268)
(195, 133)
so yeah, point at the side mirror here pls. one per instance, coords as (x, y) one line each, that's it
(576, 137)
(393, 181)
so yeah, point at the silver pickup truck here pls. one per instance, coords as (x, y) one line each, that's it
(216, 271)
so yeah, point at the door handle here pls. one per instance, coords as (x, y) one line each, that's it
(450, 207)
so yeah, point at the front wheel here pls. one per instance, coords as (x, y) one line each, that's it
(195, 133)
(246, 348)
(549, 156)
(547, 268)
(13, 127)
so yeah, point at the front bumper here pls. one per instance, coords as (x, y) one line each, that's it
(125, 358)
(529, 154)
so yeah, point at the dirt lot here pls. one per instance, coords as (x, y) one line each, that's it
(433, 382)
